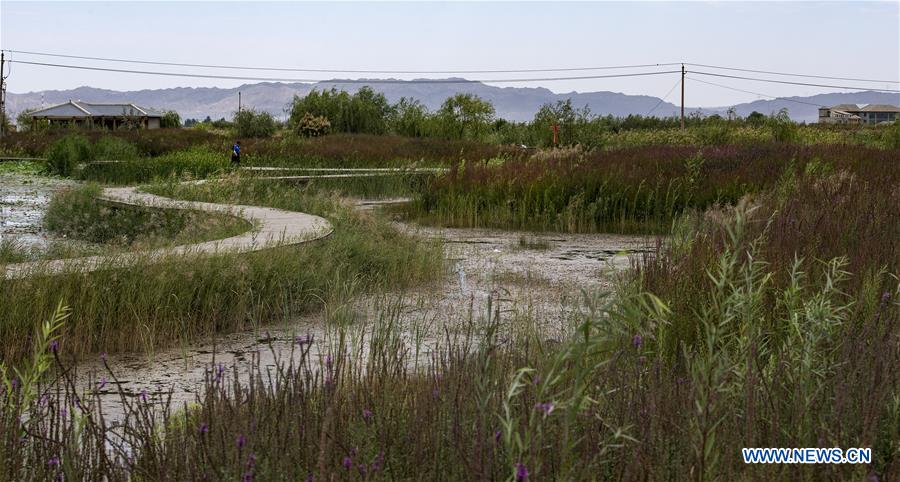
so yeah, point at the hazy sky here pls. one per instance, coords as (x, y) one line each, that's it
(846, 39)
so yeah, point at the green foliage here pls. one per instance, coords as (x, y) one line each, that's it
(782, 127)
(365, 111)
(78, 214)
(196, 162)
(250, 123)
(64, 155)
(312, 126)
(109, 148)
(409, 117)
(465, 116)
(170, 120)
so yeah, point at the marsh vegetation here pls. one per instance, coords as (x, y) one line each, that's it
(763, 313)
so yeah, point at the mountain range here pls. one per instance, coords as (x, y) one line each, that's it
(511, 103)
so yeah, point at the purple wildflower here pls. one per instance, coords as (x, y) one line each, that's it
(303, 340)
(328, 361)
(546, 407)
(103, 357)
(219, 371)
(536, 379)
(637, 341)
(101, 383)
(497, 436)
(367, 414)
(378, 461)
(251, 461)
(248, 477)
(204, 428)
(144, 395)
(347, 463)
(241, 441)
(521, 472)
(54, 461)
(309, 478)
(54, 346)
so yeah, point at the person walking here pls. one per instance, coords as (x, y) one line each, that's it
(236, 154)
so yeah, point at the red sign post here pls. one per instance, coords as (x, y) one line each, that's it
(555, 128)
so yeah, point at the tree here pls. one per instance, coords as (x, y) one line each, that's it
(466, 115)
(756, 119)
(366, 111)
(408, 118)
(249, 123)
(170, 120)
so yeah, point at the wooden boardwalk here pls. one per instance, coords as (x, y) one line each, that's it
(271, 227)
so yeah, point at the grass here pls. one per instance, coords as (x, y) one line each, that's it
(184, 298)
(640, 190)
(770, 317)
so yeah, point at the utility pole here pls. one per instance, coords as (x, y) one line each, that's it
(682, 96)
(2, 92)
(239, 102)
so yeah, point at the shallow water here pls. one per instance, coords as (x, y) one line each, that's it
(23, 201)
(488, 271)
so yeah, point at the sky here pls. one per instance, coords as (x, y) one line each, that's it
(843, 39)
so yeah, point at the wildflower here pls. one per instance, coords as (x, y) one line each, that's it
(303, 340)
(54, 346)
(248, 477)
(378, 461)
(367, 414)
(309, 478)
(103, 357)
(219, 371)
(204, 428)
(54, 461)
(241, 441)
(101, 383)
(497, 435)
(536, 379)
(251, 461)
(521, 472)
(637, 341)
(328, 361)
(546, 407)
(347, 463)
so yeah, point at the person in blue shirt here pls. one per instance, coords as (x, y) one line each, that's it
(236, 154)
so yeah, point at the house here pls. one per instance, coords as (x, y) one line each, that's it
(96, 115)
(854, 114)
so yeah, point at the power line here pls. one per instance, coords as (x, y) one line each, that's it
(663, 99)
(794, 83)
(756, 93)
(343, 71)
(345, 81)
(792, 74)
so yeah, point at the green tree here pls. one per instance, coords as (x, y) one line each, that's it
(250, 123)
(170, 120)
(409, 117)
(466, 116)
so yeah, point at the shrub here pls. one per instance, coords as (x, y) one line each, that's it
(109, 148)
(170, 120)
(313, 126)
(249, 123)
(64, 155)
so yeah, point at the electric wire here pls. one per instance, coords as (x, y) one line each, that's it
(663, 99)
(791, 74)
(755, 93)
(348, 71)
(346, 81)
(776, 81)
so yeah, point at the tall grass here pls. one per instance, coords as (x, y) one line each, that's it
(187, 297)
(196, 162)
(627, 191)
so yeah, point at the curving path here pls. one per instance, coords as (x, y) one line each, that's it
(271, 227)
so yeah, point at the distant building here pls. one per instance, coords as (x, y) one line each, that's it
(101, 116)
(854, 114)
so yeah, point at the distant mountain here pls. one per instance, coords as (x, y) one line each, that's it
(512, 103)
